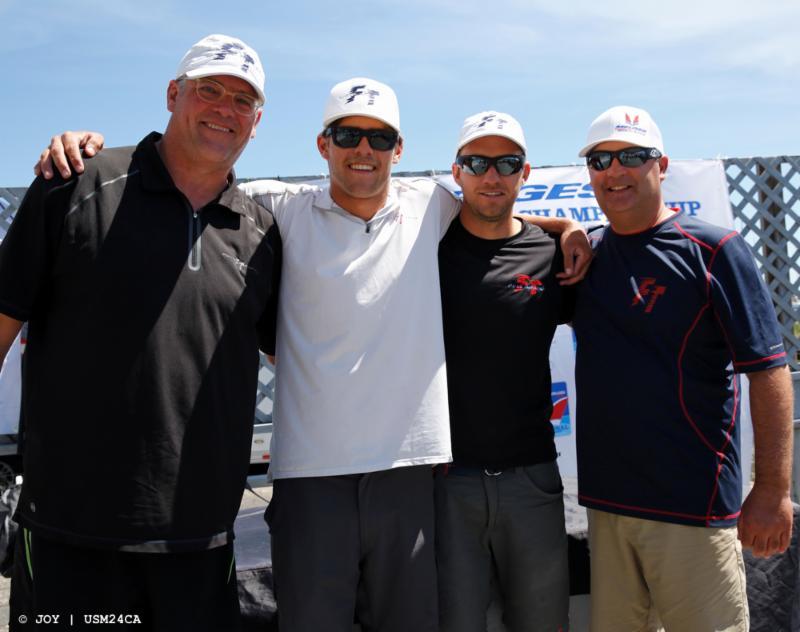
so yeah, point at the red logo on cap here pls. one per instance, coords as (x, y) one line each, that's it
(628, 120)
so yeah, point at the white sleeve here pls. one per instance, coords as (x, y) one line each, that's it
(449, 206)
(274, 194)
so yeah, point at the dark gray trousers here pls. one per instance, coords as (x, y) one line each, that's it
(507, 528)
(355, 546)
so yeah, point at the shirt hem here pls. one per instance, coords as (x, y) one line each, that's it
(359, 469)
(659, 515)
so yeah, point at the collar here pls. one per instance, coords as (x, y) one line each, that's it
(155, 176)
(324, 201)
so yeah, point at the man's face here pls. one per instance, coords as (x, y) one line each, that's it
(629, 195)
(361, 173)
(214, 132)
(490, 197)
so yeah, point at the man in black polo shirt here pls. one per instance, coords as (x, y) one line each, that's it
(499, 506)
(149, 283)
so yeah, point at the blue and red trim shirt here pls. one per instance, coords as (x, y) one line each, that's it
(665, 321)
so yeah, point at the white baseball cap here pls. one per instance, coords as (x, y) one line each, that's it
(627, 124)
(362, 97)
(223, 55)
(491, 123)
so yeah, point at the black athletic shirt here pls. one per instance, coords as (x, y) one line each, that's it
(664, 321)
(141, 366)
(501, 303)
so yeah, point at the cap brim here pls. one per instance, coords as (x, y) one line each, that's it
(332, 119)
(469, 139)
(634, 141)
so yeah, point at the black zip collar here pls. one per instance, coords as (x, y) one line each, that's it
(156, 178)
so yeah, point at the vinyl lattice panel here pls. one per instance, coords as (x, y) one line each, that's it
(765, 198)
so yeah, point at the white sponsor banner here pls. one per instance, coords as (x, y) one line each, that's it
(698, 187)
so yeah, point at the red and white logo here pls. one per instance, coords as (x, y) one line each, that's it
(526, 283)
(647, 294)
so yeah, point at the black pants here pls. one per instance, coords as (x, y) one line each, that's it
(62, 587)
(357, 543)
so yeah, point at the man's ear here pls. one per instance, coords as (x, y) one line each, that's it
(322, 145)
(172, 94)
(398, 151)
(663, 163)
(456, 174)
(255, 123)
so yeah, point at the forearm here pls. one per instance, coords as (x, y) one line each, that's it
(550, 225)
(9, 328)
(771, 407)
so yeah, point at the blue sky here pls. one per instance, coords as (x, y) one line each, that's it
(721, 78)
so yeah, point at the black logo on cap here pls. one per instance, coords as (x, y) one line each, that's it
(232, 48)
(493, 118)
(356, 91)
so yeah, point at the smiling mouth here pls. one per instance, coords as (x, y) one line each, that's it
(619, 188)
(361, 167)
(218, 128)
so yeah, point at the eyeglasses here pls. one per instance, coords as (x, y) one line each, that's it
(212, 91)
(504, 165)
(349, 137)
(628, 157)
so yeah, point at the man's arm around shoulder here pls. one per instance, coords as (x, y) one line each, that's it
(575, 245)
(9, 328)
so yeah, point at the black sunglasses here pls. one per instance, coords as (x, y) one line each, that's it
(504, 165)
(349, 137)
(628, 157)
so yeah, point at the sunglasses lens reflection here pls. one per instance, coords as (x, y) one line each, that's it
(349, 137)
(479, 165)
(630, 157)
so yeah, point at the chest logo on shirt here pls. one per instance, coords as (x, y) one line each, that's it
(647, 293)
(524, 283)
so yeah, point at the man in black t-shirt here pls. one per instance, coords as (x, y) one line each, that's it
(149, 282)
(500, 512)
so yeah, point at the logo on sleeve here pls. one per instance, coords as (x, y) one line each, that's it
(526, 283)
(240, 265)
(647, 294)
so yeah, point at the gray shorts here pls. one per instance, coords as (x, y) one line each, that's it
(355, 547)
(505, 527)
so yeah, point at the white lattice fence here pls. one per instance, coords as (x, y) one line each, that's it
(765, 197)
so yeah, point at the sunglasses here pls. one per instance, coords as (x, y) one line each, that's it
(212, 91)
(628, 157)
(504, 165)
(349, 137)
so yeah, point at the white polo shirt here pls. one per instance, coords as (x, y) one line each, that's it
(360, 380)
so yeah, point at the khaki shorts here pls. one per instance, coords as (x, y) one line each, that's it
(692, 578)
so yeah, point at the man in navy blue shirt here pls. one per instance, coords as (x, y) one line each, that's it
(671, 312)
